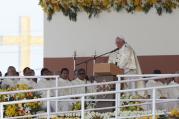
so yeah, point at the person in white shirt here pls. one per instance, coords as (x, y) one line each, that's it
(174, 93)
(160, 93)
(81, 75)
(47, 83)
(28, 81)
(64, 81)
(83, 79)
(126, 59)
(11, 82)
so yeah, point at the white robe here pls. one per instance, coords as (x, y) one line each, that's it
(79, 90)
(44, 83)
(91, 89)
(159, 93)
(9, 83)
(64, 105)
(28, 82)
(126, 59)
(173, 94)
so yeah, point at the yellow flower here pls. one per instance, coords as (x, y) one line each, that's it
(11, 111)
(138, 8)
(34, 105)
(22, 87)
(174, 113)
(152, 2)
(137, 2)
(20, 95)
(121, 2)
(106, 3)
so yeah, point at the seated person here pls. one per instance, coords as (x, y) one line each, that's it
(64, 81)
(47, 83)
(28, 81)
(11, 82)
(173, 93)
(80, 79)
(160, 93)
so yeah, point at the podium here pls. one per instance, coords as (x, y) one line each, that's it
(105, 72)
(105, 69)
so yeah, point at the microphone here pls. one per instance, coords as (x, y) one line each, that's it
(114, 50)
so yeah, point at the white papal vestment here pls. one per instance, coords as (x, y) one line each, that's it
(126, 59)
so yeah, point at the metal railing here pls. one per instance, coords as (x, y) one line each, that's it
(117, 99)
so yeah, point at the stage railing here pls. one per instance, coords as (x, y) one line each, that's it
(117, 99)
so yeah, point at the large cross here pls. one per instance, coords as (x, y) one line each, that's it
(25, 40)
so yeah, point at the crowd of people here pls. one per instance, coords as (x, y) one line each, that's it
(63, 80)
(80, 79)
(165, 93)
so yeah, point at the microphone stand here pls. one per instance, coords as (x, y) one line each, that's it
(94, 58)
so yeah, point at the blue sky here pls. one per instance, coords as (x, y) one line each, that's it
(11, 10)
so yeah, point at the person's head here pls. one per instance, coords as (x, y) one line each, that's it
(64, 73)
(11, 71)
(176, 79)
(44, 71)
(26, 71)
(119, 42)
(30, 72)
(81, 73)
(157, 71)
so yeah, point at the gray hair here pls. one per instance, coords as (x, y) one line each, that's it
(119, 39)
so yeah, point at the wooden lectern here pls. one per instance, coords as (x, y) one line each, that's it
(105, 69)
(105, 72)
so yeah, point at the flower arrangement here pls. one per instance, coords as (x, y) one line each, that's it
(71, 8)
(90, 115)
(88, 105)
(174, 114)
(109, 115)
(131, 108)
(76, 106)
(23, 108)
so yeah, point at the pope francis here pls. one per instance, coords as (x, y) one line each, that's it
(126, 59)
